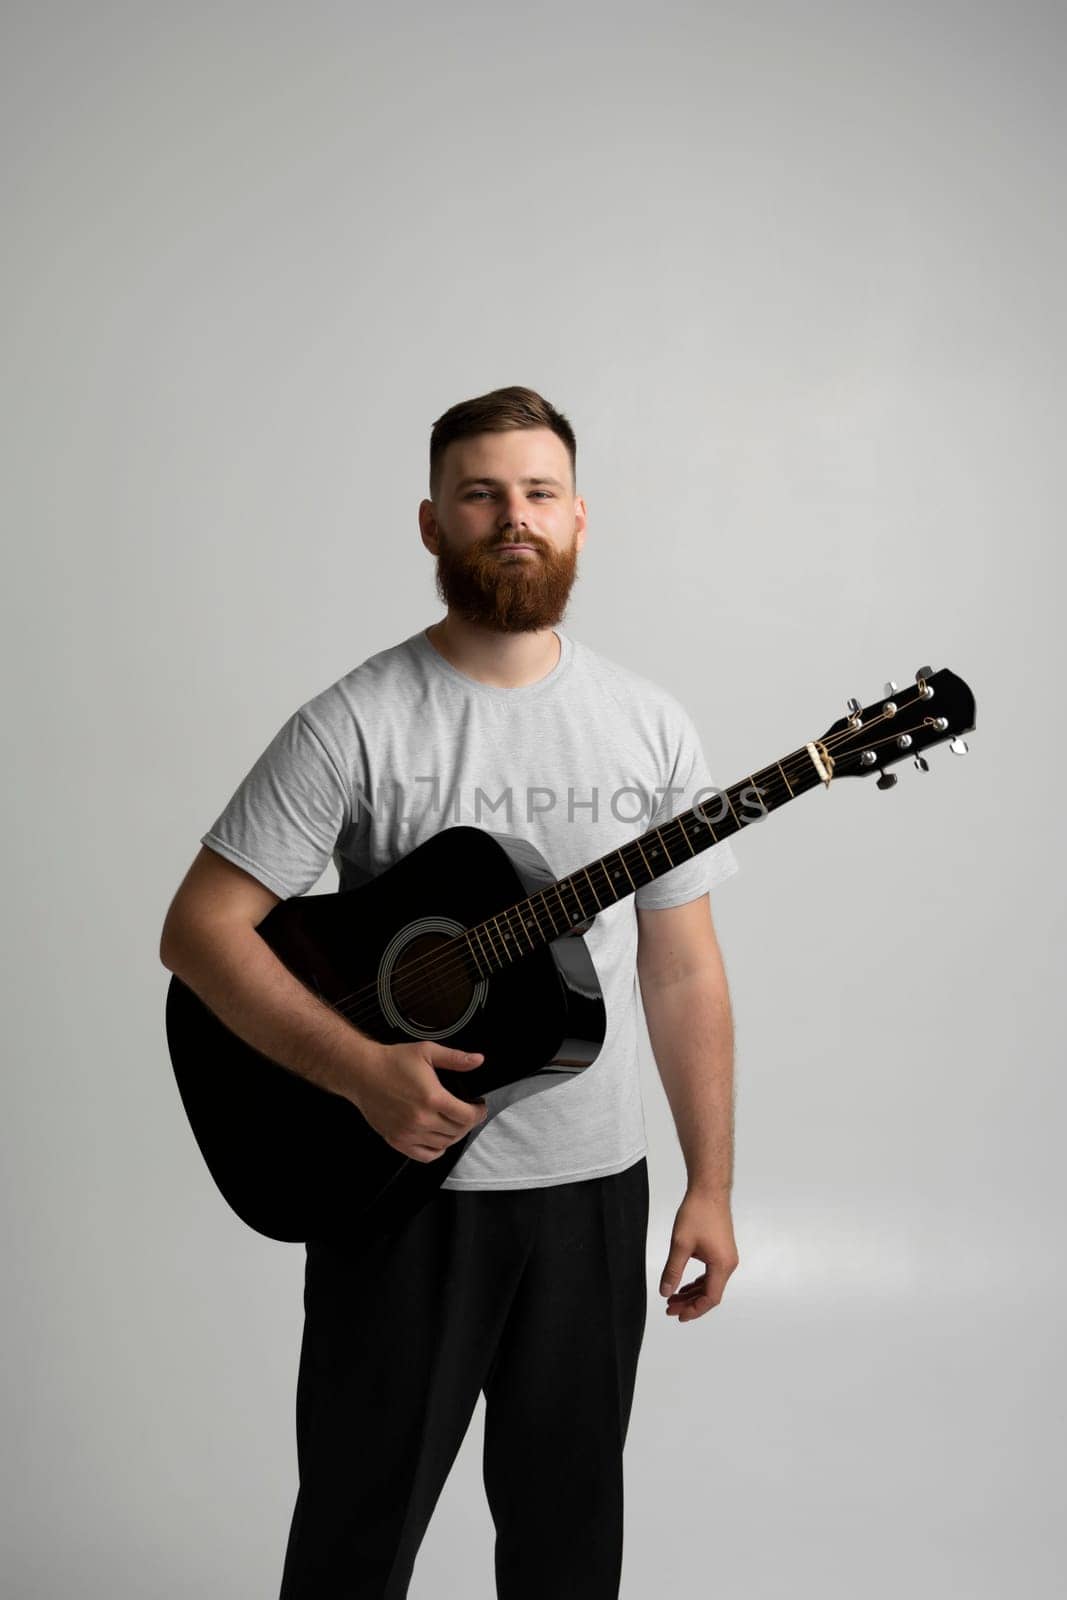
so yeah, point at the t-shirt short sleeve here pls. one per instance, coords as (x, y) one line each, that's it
(690, 782)
(286, 815)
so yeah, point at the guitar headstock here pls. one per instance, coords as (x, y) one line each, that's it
(905, 722)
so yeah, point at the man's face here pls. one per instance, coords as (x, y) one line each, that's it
(499, 490)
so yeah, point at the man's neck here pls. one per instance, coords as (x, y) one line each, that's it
(504, 660)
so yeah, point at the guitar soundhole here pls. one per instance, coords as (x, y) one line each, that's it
(430, 989)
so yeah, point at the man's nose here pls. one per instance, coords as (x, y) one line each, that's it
(513, 513)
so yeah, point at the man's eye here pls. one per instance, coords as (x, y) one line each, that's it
(476, 492)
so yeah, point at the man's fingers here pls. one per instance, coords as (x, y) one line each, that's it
(456, 1113)
(693, 1288)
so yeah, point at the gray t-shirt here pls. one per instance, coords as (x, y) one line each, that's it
(577, 764)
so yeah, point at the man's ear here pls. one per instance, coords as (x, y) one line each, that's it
(428, 526)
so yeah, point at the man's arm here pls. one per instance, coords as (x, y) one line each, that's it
(690, 1027)
(687, 1008)
(209, 940)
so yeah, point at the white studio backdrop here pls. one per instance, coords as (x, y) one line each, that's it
(794, 274)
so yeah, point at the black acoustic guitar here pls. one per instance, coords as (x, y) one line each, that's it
(470, 939)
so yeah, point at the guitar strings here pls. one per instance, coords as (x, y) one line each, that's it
(451, 963)
(445, 963)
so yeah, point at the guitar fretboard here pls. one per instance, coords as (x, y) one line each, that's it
(572, 901)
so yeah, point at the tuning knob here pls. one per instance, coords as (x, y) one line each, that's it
(922, 763)
(891, 688)
(958, 746)
(887, 780)
(923, 672)
(852, 706)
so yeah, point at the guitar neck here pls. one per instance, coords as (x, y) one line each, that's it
(574, 900)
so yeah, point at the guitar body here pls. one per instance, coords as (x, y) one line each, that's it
(296, 1162)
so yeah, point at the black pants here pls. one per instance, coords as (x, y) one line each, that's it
(534, 1297)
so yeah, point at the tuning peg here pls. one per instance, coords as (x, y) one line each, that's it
(890, 688)
(887, 780)
(852, 705)
(925, 689)
(923, 672)
(958, 746)
(922, 763)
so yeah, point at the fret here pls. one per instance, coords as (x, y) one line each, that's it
(503, 939)
(474, 958)
(558, 891)
(609, 886)
(761, 787)
(621, 860)
(489, 938)
(696, 831)
(582, 913)
(644, 858)
(478, 936)
(663, 842)
(548, 909)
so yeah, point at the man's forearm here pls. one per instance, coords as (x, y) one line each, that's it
(236, 973)
(690, 1028)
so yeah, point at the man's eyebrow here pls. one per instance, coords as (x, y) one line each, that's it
(465, 483)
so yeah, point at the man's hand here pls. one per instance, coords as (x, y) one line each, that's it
(399, 1093)
(702, 1229)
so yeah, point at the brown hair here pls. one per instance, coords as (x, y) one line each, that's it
(496, 412)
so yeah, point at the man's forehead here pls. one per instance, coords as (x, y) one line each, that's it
(533, 453)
